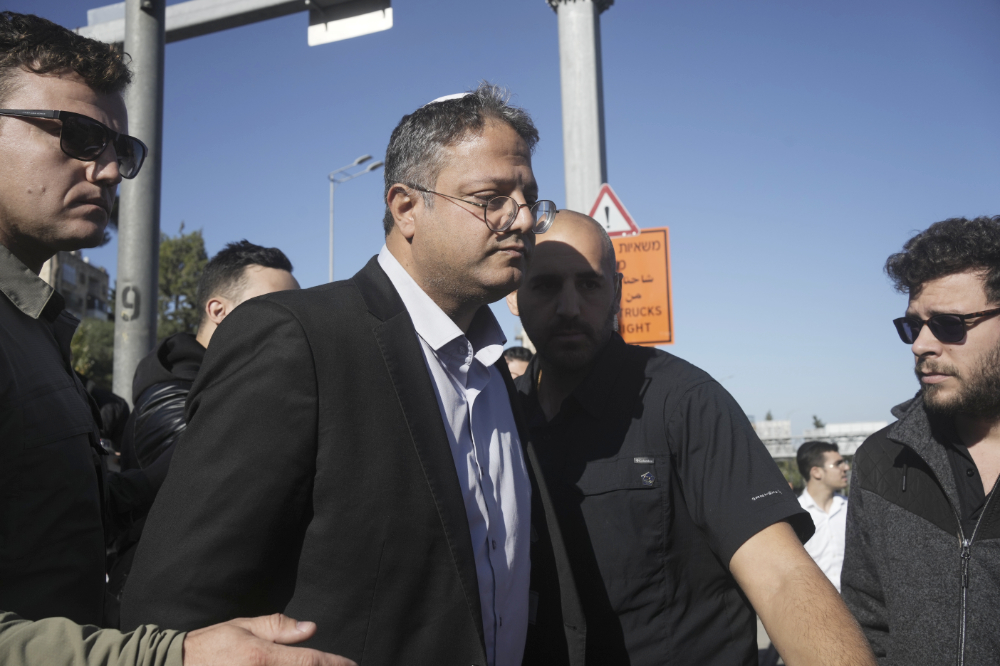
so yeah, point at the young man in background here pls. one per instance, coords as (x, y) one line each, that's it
(825, 473)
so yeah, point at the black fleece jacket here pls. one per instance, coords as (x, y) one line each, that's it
(923, 590)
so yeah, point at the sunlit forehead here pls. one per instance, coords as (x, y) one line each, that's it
(484, 180)
(68, 92)
(480, 182)
(958, 293)
(482, 163)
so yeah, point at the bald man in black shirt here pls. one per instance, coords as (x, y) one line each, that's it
(675, 517)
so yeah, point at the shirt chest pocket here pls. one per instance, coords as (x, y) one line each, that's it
(52, 412)
(622, 505)
(48, 479)
(605, 476)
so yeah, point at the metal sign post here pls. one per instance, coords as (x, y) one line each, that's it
(139, 212)
(582, 98)
(145, 26)
(329, 20)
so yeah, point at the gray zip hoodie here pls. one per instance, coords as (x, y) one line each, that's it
(923, 591)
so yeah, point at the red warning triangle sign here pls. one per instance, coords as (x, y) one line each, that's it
(609, 211)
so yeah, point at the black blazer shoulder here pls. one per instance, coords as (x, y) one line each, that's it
(315, 478)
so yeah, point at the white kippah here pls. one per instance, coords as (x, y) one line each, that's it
(447, 98)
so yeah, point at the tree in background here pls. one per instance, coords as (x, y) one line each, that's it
(818, 422)
(790, 470)
(182, 261)
(93, 348)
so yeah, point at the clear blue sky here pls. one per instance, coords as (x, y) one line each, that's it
(789, 146)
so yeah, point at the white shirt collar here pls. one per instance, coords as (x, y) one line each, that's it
(808, 502)
(435, 327)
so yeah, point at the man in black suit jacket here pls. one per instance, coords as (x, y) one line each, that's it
(345, 461)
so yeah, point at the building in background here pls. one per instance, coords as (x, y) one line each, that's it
(82, 285)
(777, 437)
(847, 436)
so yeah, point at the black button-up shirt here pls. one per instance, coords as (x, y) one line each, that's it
(658, 478)
(971, 494)
(51, 533)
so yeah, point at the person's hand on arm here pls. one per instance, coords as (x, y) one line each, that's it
(800, 609)
(259, 641)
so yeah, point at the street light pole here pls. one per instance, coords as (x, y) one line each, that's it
(582, 85)
(139, 219)
(333, 184)
(145, 26)
(337, 180)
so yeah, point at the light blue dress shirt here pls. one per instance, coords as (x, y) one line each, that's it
(491, 470)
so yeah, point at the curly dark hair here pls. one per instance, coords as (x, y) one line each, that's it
(414, 153)
(952, 246)
(32, 44)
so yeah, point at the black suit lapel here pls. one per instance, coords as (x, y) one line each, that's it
(543, 518)
(404, 360)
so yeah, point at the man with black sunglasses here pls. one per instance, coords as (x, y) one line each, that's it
(923, 526)
(52, 538)
(85, 139)
(63, 151)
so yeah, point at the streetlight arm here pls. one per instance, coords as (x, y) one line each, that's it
(344, 179)
(337, 180)
(333, 173)
(360, 160)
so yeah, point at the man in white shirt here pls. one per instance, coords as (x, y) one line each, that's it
(492, 474)
(351, 452)
(825, 473)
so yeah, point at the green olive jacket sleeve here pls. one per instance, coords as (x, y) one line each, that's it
(61, 642)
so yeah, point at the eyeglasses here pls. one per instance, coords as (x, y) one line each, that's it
(499, 213)
(86, 139)
(947, 328)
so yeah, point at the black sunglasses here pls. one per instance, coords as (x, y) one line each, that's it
(947, 328)
(85, 139)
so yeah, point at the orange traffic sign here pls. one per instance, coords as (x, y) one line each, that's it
(647, 316)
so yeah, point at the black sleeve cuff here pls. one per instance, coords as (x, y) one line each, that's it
(764, 517)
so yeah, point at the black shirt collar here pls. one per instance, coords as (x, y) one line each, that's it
(29, 293)
(596, 393)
